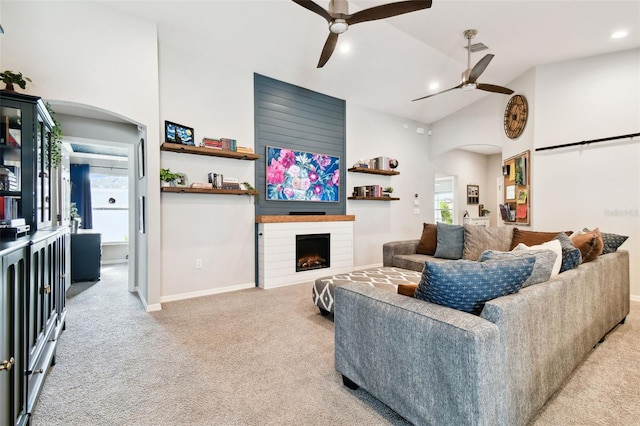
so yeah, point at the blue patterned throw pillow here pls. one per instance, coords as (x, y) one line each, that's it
(611, 241)
(450, 241)
(466, 285)
(544, 262)
(571, 256)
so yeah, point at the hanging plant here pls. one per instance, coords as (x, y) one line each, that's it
(55, 150)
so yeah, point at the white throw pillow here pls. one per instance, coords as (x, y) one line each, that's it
(553, 245)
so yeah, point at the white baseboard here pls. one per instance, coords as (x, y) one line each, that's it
(191, 295)
(113, 262)
(635, 298)
(148, 308)
(373, 265)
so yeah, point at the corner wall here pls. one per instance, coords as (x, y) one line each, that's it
(589, 186)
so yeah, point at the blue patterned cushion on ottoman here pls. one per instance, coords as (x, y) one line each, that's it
(465, 285)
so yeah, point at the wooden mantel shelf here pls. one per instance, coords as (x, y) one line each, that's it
(305, 218)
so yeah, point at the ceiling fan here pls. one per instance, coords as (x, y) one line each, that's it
(470, 75)
(337, 15)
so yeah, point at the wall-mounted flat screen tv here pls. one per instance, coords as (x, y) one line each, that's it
(302, 176)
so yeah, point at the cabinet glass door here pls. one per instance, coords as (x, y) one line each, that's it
(11, 139)
(43, 171)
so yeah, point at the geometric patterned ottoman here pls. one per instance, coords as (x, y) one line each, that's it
(386, 278)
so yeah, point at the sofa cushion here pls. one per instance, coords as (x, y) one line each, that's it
(531, 238)
(477, 239)
(571, 256)
(428, 240)
(589, 243)
(466, 285)
(450, 241)
(544, 262)
(554, 246)
(407, 289)
(414, 262)
(611, 242)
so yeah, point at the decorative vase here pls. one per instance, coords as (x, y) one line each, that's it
(9, 87)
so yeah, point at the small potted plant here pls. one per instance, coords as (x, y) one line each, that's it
(386, 192)
(485, 212)
(167, 178)
(10, 78)
(75, 218)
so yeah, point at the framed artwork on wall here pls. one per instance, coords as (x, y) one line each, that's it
(473, 194)
(177, 133)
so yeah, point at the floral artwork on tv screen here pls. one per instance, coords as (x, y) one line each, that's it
(302, 176)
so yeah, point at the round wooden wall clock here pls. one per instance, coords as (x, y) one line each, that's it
(515, 116)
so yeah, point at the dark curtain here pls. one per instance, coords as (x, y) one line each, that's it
(81, 193)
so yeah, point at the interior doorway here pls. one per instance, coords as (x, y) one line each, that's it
(110, 145)
(445, 201)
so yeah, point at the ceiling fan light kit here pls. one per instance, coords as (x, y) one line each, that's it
(339, 19)
(469, 79)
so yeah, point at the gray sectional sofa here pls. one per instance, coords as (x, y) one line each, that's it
(435, 365)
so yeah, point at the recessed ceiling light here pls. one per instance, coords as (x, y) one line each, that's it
(620, 34)
(434, 86)
(345, 47)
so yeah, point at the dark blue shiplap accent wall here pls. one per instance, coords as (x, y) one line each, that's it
(288, 116)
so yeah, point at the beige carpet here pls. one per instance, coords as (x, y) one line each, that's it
(258, 357)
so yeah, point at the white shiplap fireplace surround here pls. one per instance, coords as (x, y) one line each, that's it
(277, 247)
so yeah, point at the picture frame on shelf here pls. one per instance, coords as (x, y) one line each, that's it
(182, 181)
(177, 133)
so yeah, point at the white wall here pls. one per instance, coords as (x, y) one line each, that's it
(89, 54)
(596, 185)
(373, 134)
(589, 186)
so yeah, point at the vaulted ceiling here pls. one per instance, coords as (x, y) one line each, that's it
(395, 60)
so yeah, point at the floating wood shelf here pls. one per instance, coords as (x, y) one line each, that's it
(199, 150)
(374, 198)
(373, 171)
(176, 189)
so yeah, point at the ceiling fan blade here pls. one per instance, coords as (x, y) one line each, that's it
(428, 96)
(315, 8)
(479, 68)
(388, 10)
(327, 50)
(493, 88)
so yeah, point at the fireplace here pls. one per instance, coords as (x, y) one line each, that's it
(312, 252)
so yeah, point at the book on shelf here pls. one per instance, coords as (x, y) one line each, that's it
(244, 149)
(367, 191)
(202, 185)
(221, 143)
(230, 183)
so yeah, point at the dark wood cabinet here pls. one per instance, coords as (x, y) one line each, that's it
(25, 160)
(32, 310)
(13, 287)
(86, 253)
(33, 280)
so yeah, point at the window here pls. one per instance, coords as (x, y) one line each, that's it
(110, 202)
(444, 199)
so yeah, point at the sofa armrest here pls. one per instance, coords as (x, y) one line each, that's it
(390, 249)
(429, 363)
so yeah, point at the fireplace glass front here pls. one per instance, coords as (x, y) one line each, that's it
(312, 252)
